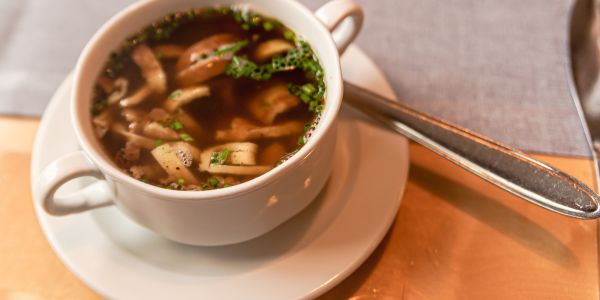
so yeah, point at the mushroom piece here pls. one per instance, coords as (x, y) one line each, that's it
(169, 51)
(238, 170)
(138, 97)
(243, 157)
(166, 156)
(270, 48)
(133, 115)
(118, 91)
(156, 80)
(186, 153)
(181, 97)
(199, 62)
(244, 130)
(158, 114)
(240, 160)
(237, 153)
(144, 142)
(147, 171)
(158, 131)
(151, 69)
(136, 127)
(131, 151)
(101, 123)
(272, 101)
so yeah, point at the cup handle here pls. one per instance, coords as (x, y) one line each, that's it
(344, 19)
(64, 169)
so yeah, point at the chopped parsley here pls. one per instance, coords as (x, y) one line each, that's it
(232, 48)
(289, 35)
(100, 103)
(213, 182)
(250, 20)
(308, 126)
(180, 181)
(175, 124)
(186, 137)
(220, 157)
(309, 95)
(175, 94)
(158, 143)
(268, 25)
(302, 58)
(301, 140)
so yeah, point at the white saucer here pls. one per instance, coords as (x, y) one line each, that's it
(303, 258)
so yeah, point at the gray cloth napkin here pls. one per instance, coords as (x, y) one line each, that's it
(496, 67)
(41, 40)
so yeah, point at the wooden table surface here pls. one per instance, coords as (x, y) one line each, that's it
(455, 237)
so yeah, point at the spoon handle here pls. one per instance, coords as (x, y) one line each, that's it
(499, 164)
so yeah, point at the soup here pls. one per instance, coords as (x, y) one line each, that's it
(207, 98)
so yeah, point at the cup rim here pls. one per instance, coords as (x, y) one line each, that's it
(333, 100)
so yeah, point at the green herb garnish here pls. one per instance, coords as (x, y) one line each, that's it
(158, 143)
(175, 94)
(186, 137)
(241, 66)
(308, 89)
(180, 181)
(175, 124)
(289, 35)
(268, 26)
(249, 20)
(220, 157)
(301, 140)
(100, 103)
(232, 48)
(308, 126)
(302, 58)
(213, 182)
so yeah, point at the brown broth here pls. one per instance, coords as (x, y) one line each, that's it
(229, 98)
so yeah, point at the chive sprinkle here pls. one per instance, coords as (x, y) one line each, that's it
(176, 125)
(220, 157)
(213, 182)
(186, 137)
(301, 140)
(235, 47)
(289, 35)
(268, 26)
(175, 94)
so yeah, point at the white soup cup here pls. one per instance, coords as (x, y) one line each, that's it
(214, 217)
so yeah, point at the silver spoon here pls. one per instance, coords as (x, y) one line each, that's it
(499, 164)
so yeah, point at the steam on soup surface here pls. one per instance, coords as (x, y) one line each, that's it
(207, 98)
